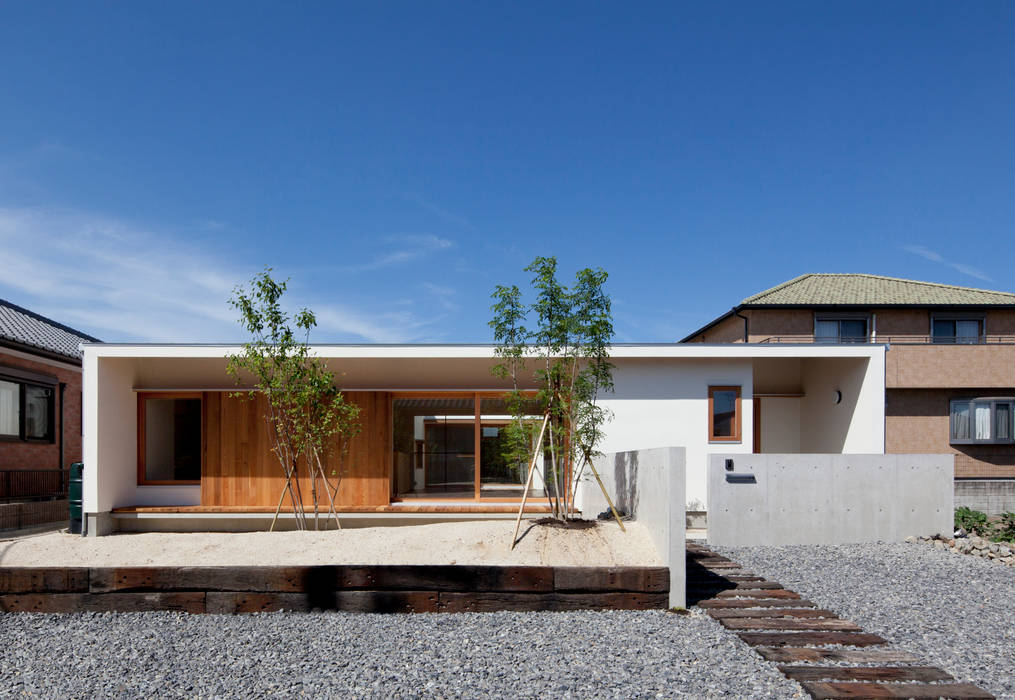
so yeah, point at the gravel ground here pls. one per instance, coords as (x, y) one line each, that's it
(614, 654)
(951, 610)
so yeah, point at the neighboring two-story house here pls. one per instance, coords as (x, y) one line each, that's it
(40, 408)
(949, 374)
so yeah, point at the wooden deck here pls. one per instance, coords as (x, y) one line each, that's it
(476, 507)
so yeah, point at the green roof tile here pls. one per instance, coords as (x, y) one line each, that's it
(873, 290)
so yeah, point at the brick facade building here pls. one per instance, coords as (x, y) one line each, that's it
(40, 393)
(950, 364)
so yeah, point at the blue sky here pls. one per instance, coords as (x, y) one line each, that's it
(397, 160)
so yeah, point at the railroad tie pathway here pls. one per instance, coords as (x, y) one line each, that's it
(797, 635)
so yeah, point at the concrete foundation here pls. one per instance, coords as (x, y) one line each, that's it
(785, 499)
(650, 486)
(992, 496)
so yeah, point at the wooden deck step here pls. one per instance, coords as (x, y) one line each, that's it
(881, 674)
(783, 623)
(792, 639)
(809, 613)
(726, 603)
(758, 593)
(878, 691)
(790, 654)
(725, 584)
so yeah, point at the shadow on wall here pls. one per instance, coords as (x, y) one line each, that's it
(825, 423)
(625, 482)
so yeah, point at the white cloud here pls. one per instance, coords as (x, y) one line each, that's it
(407, 248)
(123, 283)
(933, 256)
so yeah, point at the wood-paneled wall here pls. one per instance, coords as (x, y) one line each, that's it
(239, 468)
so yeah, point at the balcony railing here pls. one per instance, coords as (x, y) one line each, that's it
(894, 340)
(33, 484)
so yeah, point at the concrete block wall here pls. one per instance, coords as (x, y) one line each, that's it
(786, 499)
(991, 496)
(650, 486)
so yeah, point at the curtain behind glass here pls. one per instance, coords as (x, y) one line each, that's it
(981, 413)
(1002, 421)
(960, 420)
(9, 408)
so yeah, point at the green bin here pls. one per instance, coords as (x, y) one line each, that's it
(74, 497)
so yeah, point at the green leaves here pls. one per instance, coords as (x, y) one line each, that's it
(568, 347)
(306, 409)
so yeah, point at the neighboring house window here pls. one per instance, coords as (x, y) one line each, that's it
(957, 330)
(724, 414)
(840, 330)
(981, 420)
(26, 411)
(169, 438)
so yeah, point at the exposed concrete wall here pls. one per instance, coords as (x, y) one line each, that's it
(993, 497)
(828, 499)
(648, 484)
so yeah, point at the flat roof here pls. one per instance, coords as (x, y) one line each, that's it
(481, 351)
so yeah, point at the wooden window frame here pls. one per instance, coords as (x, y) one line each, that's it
(141, 398)
(737, 416)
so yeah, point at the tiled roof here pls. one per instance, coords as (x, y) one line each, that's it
(26, 328)
(873, 290)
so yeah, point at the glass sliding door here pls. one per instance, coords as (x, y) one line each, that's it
(503, 475)
(434, 446)
(441, 444)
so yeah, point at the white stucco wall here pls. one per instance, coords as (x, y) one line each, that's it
(663, 402)
(660, 399)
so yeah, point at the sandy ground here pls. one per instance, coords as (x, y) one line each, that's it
(480, 542)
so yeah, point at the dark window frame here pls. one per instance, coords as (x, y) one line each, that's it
(23, 380)
(993, 401)
(738, 414)
(953, 339)
(839, 318)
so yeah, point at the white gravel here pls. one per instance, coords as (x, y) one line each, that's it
(466, 542)
(951, 610)
(614, 654)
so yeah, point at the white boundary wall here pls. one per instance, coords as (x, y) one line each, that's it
(649, 485)
(828, 499)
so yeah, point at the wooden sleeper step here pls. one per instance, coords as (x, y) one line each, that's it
(790, 654)
(923, 674)
(809, 613)
(778, 639)
(776, 623)
(877, 691)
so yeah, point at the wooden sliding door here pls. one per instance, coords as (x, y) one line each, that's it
(239, 468)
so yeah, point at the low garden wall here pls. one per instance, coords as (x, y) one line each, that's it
(367, 589)
(784, 499)
(649, 485)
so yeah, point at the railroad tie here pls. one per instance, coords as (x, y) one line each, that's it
(795, 634)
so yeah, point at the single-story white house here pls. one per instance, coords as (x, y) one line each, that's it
(167, 447)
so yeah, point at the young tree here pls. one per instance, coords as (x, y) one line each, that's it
(566, 355)
(306, 414)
